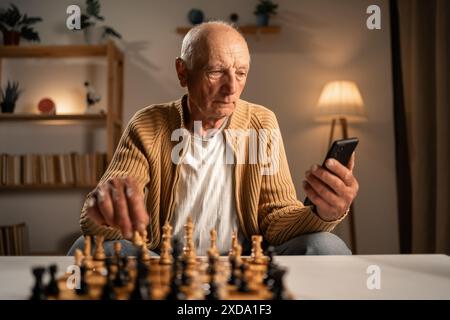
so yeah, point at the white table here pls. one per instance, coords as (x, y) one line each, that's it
(308, 277)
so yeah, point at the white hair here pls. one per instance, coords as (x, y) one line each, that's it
(195, 35)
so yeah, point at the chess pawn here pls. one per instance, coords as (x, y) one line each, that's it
(145, 252)
(213, 250)
(117, 246)
(99, 253)
(238, 253)
(78, 257)
(137, 239)
(257, 255)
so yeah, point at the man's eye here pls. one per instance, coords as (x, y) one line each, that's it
(216, 73)
(241, 74)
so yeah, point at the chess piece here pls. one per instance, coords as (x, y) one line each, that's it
(99, 253)
(213, 250)
(145, 252)
(117, 250)
(108, 292)
(234, 270)
(78, 257)
(83, 289)
(185, 277)
(87, 261)
(213, 291)
(243, 286)
(271, 266)
(257, 256)
(189, 248)
(141, 290)
(278, 289)
(175, 292)
(137, 239)
(238, 253)
(166, 249)
(52, 288)
(38, 292)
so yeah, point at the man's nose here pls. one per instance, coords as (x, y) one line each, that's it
(229, 86)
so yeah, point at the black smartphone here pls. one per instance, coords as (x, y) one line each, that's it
(341, 150)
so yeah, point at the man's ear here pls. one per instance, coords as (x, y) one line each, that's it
(181, 68)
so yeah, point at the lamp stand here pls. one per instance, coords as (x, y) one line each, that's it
(351, 215)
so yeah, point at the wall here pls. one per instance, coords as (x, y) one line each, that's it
(320, 41)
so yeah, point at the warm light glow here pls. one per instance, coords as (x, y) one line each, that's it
(341, 99)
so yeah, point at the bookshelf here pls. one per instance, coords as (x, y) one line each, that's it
(112, 120)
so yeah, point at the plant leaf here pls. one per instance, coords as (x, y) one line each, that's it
(93, 9)
(111, 32)
(29, 34)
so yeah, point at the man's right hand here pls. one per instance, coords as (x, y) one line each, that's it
(119, 203)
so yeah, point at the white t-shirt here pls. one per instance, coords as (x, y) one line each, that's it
(205, 192)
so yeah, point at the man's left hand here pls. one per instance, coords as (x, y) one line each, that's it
(331, 192)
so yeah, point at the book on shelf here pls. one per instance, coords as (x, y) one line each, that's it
(13, 240)
(72, 169)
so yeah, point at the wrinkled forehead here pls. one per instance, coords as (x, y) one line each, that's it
(226, 49)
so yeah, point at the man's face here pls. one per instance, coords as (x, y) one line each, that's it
(217, 78)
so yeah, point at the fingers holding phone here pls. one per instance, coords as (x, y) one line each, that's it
(331, 188)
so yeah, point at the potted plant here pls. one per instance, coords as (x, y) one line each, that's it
(9, 97)
(93, 33)
(264, 10)
(15, 25)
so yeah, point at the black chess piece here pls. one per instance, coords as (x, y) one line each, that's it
(141, 290)
(233, 278)
(243, 285)
(38, 292)
(271, 266)
(175, 292)
(213, 292)
(119, 279)
(126, 274)
(83, 289)
(52, 288)
(212, 263)
(185, 278)
(108, 292)
(278, 289)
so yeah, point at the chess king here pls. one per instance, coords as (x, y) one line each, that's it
(143, 187)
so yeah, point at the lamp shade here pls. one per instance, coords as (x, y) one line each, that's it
(341, 99)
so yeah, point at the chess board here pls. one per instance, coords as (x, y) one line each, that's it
(174, 275)
(194, 283)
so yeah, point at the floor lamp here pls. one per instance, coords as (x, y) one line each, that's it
(341, 101)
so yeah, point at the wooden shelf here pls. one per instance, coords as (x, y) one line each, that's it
(53, 51)
(244, 29)
(45, 187)
(38, 117)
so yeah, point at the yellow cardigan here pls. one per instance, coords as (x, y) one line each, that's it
(265, 204)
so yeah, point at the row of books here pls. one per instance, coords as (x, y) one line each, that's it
(13, 240)
(52, 169)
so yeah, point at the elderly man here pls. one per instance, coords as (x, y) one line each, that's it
(194, 181)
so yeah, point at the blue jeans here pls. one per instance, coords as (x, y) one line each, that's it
(319, 243)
